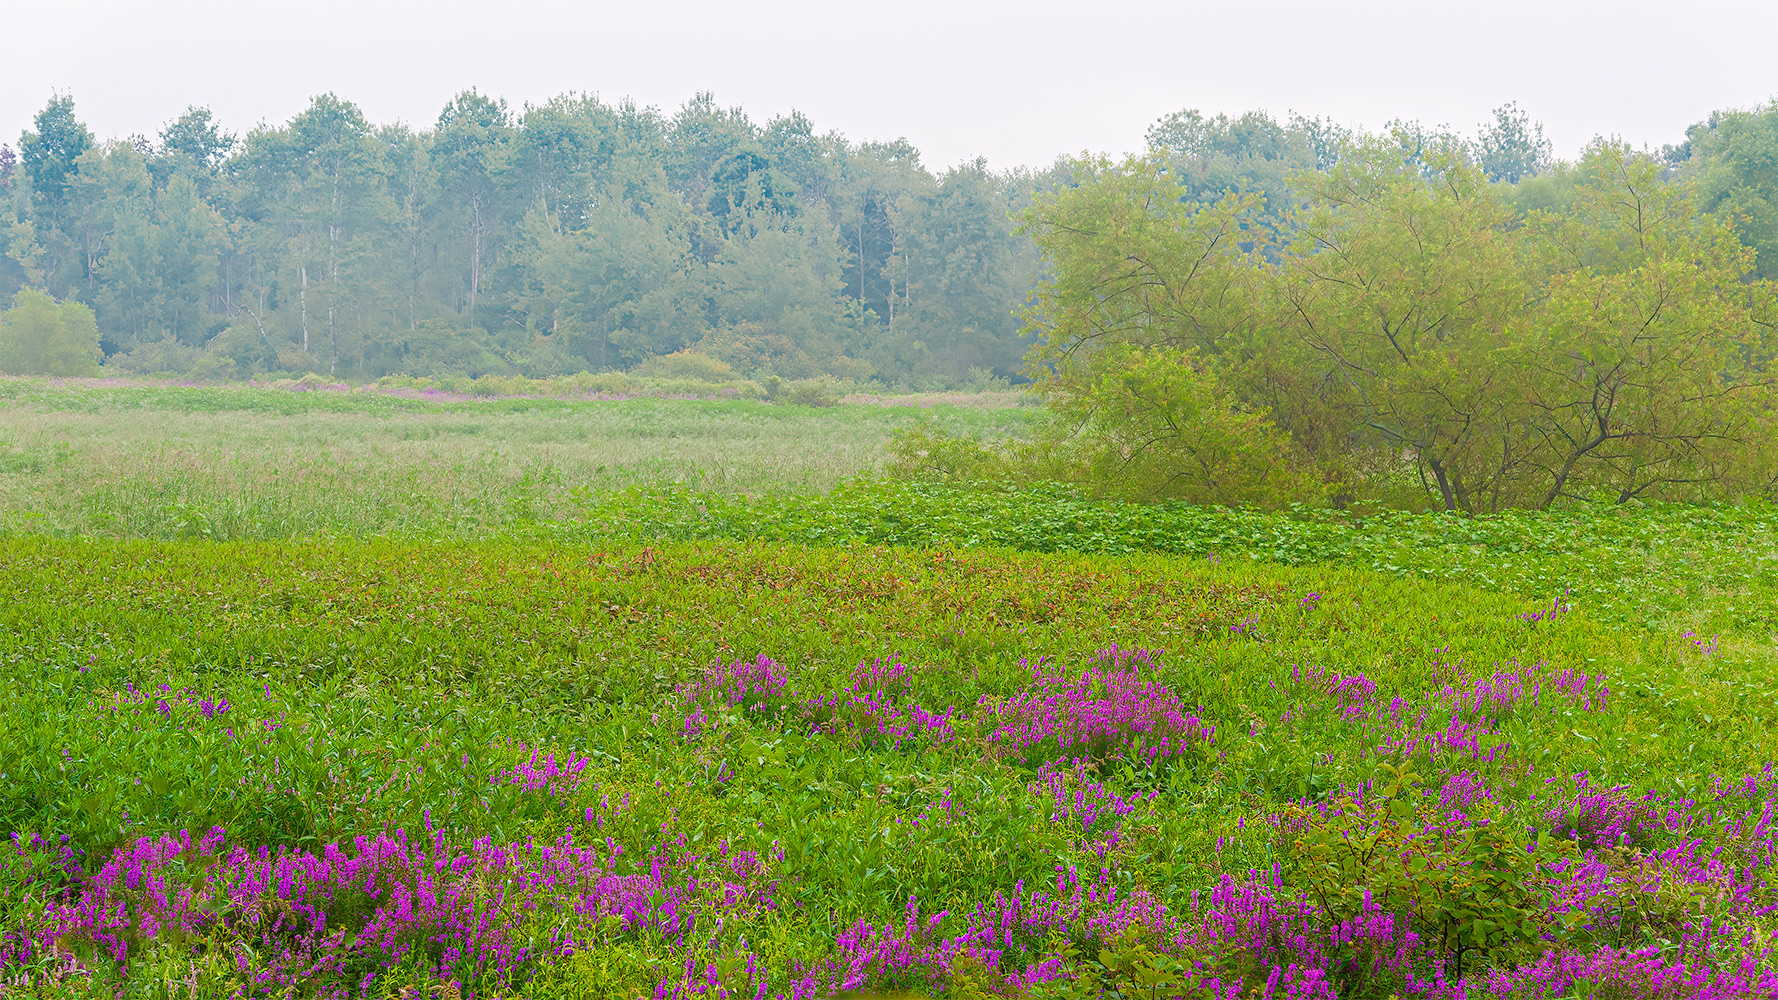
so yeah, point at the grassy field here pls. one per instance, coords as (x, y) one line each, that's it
(255, 463)
(885, 741)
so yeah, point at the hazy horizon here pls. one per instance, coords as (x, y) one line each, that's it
(1018, 84)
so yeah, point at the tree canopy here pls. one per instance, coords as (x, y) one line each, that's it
(568, 236)
(1403, 318)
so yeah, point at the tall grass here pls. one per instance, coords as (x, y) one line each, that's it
(172, 462)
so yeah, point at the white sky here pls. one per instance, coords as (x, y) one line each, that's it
(1018, 82)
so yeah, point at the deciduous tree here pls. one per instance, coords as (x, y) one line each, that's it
(40, 336)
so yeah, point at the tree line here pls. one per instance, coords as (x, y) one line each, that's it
(580, 235)
(570, 236)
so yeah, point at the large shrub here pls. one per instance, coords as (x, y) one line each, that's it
(40, 336)
(1406, 323)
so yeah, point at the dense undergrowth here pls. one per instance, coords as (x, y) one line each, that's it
(550, 769)
(1652, 565)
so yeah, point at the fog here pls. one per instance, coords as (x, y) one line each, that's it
(1017, 83)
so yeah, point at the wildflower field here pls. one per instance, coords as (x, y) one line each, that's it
(886, 740)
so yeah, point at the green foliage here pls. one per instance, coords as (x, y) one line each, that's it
(1396, 293)
(1651, 364)
(1156, 425)
(40, 336)
(1733, 160)
(1143, 280)
(1408, 323)
(809, 392)
(923, 453)
(688, 364)
(1512, 148)
(385, 684)
(1251, 154)
(574, 236)
(50, 152)
(1472, 890)
(1127, 967)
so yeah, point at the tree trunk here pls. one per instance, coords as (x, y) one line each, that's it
(886, 261)
(333, 275)
(1444, 483)
(302, 300)
(475, 255)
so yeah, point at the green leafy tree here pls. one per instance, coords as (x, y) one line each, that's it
(561, 151)
(21, 255)
(471, 149)
(1404, 290)
(1414, 321)
(120, 216)
(965, 273)
(1426, 149)
(1512, 147)
(744, 187)
(783, 280)
(40, 336)
(1734, 163)
(156, 250)
(194, 144)
(319, 225)
(881, 187)
(50, 156)
(810, 162)
(624, 285)
(1252, 154)
(1651, 357)
(1143, 287)
(1156, 423)
(188, 242)
(413, 187)
(699, 137)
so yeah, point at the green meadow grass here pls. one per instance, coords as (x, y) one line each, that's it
(258, 463)
(400, 676)
(1661, 567)
(392, 640)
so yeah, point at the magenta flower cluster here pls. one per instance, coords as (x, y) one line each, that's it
(378, 902)
(541, 772)
(753, 685)
(485, 915)
(1558, 607)
(1110, 710)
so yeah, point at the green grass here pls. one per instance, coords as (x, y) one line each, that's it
(255, 463)
(244, 464)
(400, 676)
(394, 641)
(1663, 567)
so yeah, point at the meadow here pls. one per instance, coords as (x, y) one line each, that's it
(165, 461)
(803, 732)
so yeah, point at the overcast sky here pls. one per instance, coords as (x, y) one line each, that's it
(1017, 83)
